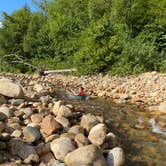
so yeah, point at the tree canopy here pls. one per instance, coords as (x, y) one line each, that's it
(113, 36)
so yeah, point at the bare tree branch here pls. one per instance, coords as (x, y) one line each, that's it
(15, 59)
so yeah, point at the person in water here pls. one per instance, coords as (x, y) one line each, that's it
(82, 93)
(73, 95)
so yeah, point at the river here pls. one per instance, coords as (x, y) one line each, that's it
(143, 142)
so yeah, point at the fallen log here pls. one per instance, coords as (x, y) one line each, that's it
(59, 71)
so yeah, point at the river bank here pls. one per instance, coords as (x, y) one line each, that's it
(146, 89)
(37, 128)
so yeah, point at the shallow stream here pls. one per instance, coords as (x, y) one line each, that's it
(143, 141)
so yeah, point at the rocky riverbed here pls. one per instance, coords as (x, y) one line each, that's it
(36, 128)
(147, 89)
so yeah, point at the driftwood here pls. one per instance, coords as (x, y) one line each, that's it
(59, 71)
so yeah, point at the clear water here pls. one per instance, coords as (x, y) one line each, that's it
(142, 145)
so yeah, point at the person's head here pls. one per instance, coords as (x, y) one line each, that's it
(81, 88)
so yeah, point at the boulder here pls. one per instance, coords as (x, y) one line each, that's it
(42, 148)
(86, 156)
(2, 100)
(110, 141)
(97, 134)
(11, 89)
(21, 149)
(116, 157)
(16, 102)
(64, 112)
(46, 158)
(2, 145)
(9, 164)
(76, 129)
(32, 158)
(50, 125)
(162, 107)
(3, 117)
(16, 133)
(6, 111)
(27, 111)
(14, 126)
(88, 121)
(37, 118)
(56, 107)
(2, 127)
(61, 147)
(31, 134)
(51, 138)
(81, 140)
(68, 135)
(63, 121)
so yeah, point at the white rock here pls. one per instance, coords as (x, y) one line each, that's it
(116, 157)
(97, 134)
(64, 112)
(88, 155)
(162, 107)
(56, 107)
(63, 121)
(61, 147)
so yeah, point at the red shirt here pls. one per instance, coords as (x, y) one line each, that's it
(81, 93)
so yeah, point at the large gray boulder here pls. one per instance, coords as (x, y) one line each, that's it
(11, 89)
(89, 155)
(31, 134)
(21, 149)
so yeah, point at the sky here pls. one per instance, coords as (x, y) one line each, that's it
(9, 6)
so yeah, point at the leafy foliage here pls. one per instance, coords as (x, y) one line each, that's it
(114, 36)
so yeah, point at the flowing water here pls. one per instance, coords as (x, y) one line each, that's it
(143, 141)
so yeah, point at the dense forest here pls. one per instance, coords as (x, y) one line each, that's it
(113, 36)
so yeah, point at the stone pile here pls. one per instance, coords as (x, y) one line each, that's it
(38, 129)
(146, 89)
